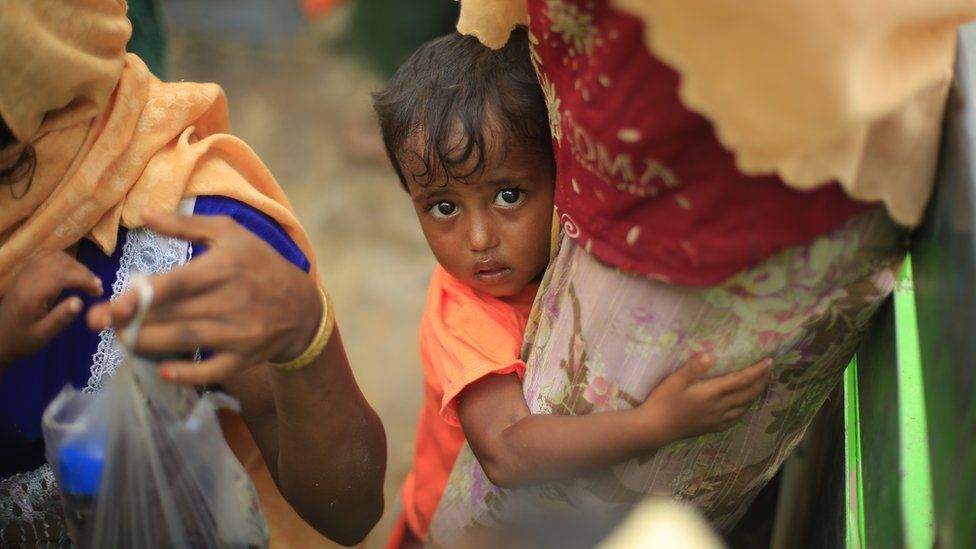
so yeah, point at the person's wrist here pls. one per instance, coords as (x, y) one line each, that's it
(308, 318)
(653, 427)
(323, 333)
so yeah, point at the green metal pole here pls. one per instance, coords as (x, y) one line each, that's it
(854, 490)
(916, 492)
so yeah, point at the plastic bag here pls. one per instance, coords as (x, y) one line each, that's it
(143, 463)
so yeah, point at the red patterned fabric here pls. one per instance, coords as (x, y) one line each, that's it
(642, 182)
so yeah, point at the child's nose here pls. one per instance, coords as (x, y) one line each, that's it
(481, 234)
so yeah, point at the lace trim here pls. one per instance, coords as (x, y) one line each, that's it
(30, 510)
(145, 252)
(30, 505)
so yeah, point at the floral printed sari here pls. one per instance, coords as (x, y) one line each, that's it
(600, 340)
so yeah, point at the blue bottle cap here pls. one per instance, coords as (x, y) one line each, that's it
(81, 468)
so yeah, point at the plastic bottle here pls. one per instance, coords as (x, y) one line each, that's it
(81, 472)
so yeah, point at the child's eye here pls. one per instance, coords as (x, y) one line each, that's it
(508, 198)
(443, 209)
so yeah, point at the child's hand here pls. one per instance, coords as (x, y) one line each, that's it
(685, 405)
(29, 316)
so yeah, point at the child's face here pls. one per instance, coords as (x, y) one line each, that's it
(490, 231)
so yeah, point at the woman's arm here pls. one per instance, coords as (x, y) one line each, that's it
(517, 448)
(323, 443)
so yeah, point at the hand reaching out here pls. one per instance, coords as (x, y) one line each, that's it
(30, 314)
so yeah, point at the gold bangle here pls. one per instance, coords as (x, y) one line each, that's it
(322, 336)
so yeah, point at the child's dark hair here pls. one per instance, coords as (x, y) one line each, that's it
(455, 83)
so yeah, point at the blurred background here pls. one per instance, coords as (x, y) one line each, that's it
(298, 77)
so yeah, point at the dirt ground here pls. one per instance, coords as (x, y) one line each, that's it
(304, 107)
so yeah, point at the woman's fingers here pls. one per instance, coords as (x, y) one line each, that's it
(60, 317)
(207, 372)
(195, 278)
(186, 336)
(51, 272)
(72, 274)
(206, 230)
(216, 306)
(241, 298)
(198, 277)
(118, 313)
(169, 290)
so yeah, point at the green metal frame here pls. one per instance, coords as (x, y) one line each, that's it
(854, 487)
(916, 470)
(910, 395)
(914, 527)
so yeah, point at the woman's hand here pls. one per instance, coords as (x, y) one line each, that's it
(241, 300)
(30, 315)
(686, 405)
(249, 305)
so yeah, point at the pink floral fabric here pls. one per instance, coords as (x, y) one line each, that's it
(600, 340)
(642, 182)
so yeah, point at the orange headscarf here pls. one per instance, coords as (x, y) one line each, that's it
(110, 138)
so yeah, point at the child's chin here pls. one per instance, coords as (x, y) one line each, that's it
(507, 289)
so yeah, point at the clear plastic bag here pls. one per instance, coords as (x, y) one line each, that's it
(143, 463)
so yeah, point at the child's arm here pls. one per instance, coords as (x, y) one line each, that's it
(517, 448)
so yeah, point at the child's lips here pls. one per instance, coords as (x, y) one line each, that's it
(491, 272)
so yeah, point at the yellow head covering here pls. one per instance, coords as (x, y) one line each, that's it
(110, 138)
(58, 55)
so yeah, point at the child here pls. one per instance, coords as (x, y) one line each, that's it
(466, 129)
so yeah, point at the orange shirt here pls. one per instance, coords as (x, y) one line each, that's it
(465, 335)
